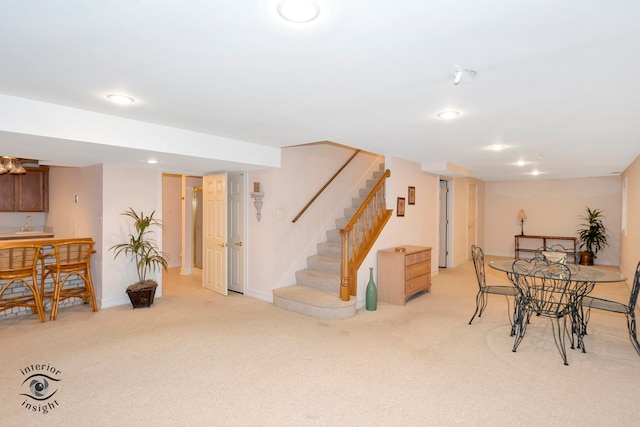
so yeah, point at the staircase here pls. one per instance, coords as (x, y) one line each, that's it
(317, 289)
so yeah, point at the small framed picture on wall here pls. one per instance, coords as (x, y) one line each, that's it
(400, 208)
(412, 196)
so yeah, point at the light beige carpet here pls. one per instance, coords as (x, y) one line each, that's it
(199, 359)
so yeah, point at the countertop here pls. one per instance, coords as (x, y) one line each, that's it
(20, 235)
(41, 240)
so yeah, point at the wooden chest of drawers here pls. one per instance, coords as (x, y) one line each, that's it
(402, 274)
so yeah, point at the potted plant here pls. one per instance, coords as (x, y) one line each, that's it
(592, 235)
(143, 250)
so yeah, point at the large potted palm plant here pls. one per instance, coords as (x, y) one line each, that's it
(592, 235)
(142, 250)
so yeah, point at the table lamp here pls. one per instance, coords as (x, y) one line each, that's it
(522, 216)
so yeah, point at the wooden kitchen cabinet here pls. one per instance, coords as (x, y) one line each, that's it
(7, 193)
(403, 272)
(25, 193)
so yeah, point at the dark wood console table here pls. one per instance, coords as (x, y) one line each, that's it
(569, 244)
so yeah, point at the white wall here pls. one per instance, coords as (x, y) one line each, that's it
(140, 189)
(278, 247)
(460, 218)
(418, 226)
(630, 234)
(553, 207)
(104, 192)
(68, 217)
(81, 219)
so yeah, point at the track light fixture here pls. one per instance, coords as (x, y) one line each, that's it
(460, 74)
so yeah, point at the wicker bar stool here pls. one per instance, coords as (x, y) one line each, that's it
(72, 260)
(18, 266)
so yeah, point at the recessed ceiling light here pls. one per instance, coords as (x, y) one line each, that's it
(521, 163)
(497, 147)
(298, 11)
(120, 99)
(152, 161)
(450, 114)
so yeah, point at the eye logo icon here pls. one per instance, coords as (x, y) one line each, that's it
(40, 387)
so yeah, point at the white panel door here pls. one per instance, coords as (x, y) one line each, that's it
(214, 274)
(236, 233)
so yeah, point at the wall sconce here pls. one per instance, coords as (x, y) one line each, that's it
(257, 196)
(522, 216)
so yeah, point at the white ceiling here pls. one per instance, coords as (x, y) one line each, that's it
(556, 80)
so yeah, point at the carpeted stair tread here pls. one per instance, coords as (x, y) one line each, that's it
(314, 303)
(334, 236)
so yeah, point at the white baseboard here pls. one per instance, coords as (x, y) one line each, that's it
(114, 302)
(267, 297)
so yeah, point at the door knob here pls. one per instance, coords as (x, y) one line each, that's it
(222, 245)
(239, 244)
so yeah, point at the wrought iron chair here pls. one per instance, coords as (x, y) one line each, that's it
(484, 291)
(72, 261)
(18, 266)
(546, 289)
(628, 309)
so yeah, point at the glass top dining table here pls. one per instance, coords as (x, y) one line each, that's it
(579, 273)
(583, 277)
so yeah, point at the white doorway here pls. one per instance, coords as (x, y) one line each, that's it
(472, 217)
(197, 226)
(443, 227)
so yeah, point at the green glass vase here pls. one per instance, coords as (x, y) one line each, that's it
(372, 293)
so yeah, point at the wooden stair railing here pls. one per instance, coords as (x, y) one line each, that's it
(360, 234)
(313, 199)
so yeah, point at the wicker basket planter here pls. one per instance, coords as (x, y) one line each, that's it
(142, 294)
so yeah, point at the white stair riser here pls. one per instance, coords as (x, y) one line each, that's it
(327, 284)
(325, 264)
(311, 310)
(329, 249)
